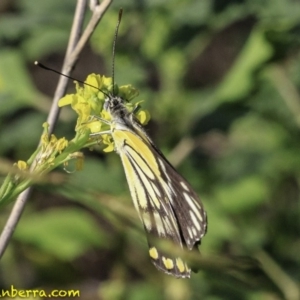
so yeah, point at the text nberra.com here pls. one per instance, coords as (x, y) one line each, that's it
(13, 293)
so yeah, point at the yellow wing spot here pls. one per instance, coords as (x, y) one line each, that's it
(168, 263)
(153, 253)
(180, 265)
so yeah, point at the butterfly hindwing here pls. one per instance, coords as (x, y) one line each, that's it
(186, 205)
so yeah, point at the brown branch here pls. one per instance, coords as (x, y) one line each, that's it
(75, 46)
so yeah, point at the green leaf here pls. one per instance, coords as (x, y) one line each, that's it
(242, 195)
(16, 88)
(239, 81)
(63, 232)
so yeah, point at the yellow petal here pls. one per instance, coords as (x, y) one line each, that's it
(66, 100)
(143, 116)
(109, 148)
(94, 126)
(95, 81)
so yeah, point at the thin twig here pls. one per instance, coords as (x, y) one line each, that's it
(63, 81)
(185, 146)
(284, 282)
(75, 47)
(98, 13)
(74, 50)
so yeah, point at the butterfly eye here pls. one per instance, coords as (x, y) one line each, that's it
(115, 102)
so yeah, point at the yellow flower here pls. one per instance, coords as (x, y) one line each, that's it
(50, 147)
(22, 165)
(143, 116)
(88, 103)
(108, 141)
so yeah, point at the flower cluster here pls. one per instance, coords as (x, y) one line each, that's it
(88, 103)
(52, 152)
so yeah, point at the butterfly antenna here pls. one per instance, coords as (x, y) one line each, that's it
(114, 48)
(37, 63)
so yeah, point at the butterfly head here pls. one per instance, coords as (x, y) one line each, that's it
(115, 106)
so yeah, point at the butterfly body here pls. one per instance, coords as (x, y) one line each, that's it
(166, 204)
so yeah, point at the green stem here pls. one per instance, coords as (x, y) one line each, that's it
(6, 187)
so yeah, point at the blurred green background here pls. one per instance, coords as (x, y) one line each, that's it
(221, 80)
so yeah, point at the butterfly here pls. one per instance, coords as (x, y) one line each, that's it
(166, 203)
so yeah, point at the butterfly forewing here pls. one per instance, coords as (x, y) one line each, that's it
(165, 202)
